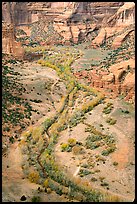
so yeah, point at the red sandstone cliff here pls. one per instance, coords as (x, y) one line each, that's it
(71, 21)
(117, 27)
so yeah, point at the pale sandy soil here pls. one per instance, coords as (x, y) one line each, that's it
(14, 183)
(121, 178)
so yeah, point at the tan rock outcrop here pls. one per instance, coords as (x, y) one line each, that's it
(121, 67)
(108, 78)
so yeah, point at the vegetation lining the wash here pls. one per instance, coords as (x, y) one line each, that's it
(40, 149)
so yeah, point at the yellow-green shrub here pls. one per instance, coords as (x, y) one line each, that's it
(65, 147)
(72, 142)
(34, 177)
(46, 183)
(37, 132)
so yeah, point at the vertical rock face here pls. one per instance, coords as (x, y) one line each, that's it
(9, 44)
(6, 12)
(71, 21)
(118, 26)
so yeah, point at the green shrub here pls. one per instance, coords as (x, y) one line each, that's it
(115, 163)
(11, 139)
(84, 172)
(104, 184)
(93, 179)
(36, 199)
(111, 121)
(108, 108)
(108, 151)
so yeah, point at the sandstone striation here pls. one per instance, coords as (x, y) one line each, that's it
(73, 21)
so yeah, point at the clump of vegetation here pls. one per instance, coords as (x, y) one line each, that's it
(97, 139)
(108, 108)
(111, 121)
(115, 163)
(65, 147)
(36, 199)
(34, 177)
(11, 139)
(77, 117)
(125, 111)
(72, 142)
(107, 151)
(36, 133)
(84, 172)
(46, 183)
(104, 184)
(93, 179)
(78, 150)
(36, 101)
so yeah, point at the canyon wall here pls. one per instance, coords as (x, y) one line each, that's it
(70, 21)
(117, 27)
(9, 43)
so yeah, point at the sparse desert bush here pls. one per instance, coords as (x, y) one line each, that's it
(108, 108)
(93, 179)
(125, 111)
(100, 158)
(36, 199)
(11, 139)
(111, 121)
(104, 184)
(76, 118)
(78, 150)
(65, 147)
(107, 151)
(46, 183)
(47, 123)
(72, 142)
(84, 172)
(115, 163)
(34, 177)
(92, 141)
